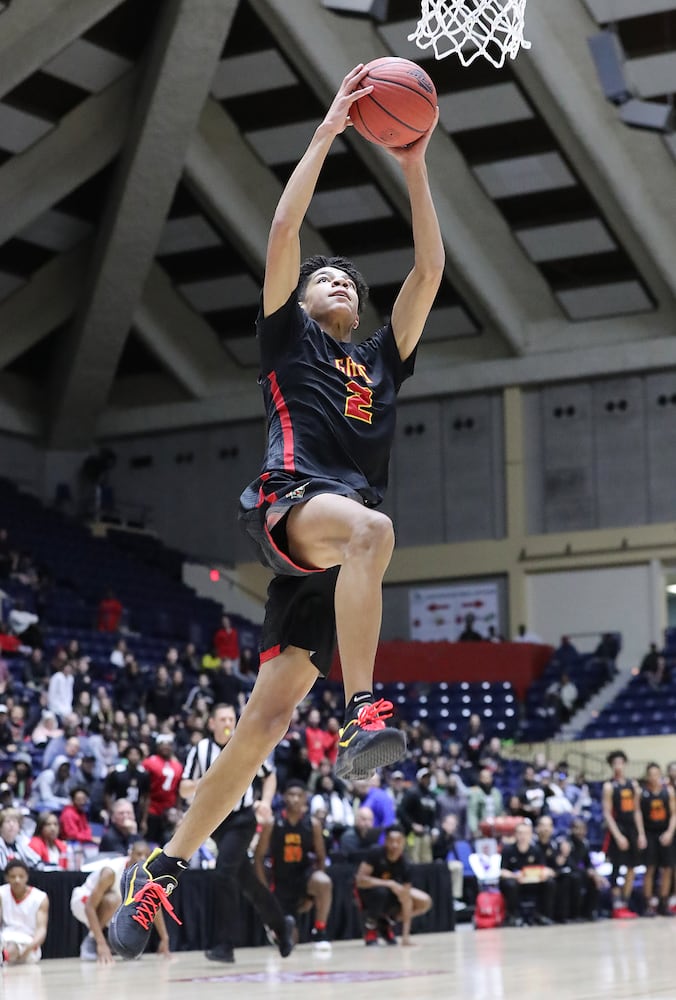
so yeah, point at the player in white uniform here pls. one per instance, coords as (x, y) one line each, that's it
(24, 912)
(94, 902)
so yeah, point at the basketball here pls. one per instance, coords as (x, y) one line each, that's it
(401, 106)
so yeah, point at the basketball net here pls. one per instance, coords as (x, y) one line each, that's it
(472, 28)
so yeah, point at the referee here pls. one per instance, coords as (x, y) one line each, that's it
(234, 870)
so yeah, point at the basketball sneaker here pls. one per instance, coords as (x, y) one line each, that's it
(386, 929)
(88, 952)
(370, 933)
(365, 742)
(142, 897)
(623, 913)
(320, 942)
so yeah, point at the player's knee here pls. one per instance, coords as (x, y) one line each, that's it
(373, 536)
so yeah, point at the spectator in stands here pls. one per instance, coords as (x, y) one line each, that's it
(658, 808)
(330, 799)
(531, 794)
(654, 668)
(23, 765)
(129, 690)
(26, 626)
(587, 883)
(165, 772)
(452, 800)
(356, 841)
(53, 786)
(449, 847)
(24, 916)
(225, 643)
(14, 843)
(88, 776)
(189, 661)
(566, 654)
(561, 698)
(524, 634)
(227, 688)
(607, 652)
(491, 756)
(104, 745)
(525, 877)
(396, 787)
(159, 696)
(73, 821)
(417, 814)
(36, 671)
(483, 804)
(46, 843)
(315, 738)
(624, 822)
(201, 688)
(385, 891)
(5, 554)
(475, 738)
(375, 797)
(128, 780)
(60, 691)
(493, 635)
(469, 633)
(118, 654)
(123, 829)
(110, 613)
(6, 735)
(46, 729)
(69, 745)
(178, 692)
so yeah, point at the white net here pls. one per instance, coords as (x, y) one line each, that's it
(472, 28)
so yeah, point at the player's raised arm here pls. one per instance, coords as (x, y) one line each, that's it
(282, 265)
(413, 304)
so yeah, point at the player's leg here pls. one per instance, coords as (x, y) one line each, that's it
(320, 889)
(421, 902)
(281, 684)
(268, 908)
(330, 530)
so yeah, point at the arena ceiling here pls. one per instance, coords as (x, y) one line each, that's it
(143, 147)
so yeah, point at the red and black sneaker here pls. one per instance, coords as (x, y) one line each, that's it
(386, 929)
(142, 897)
(366, 743)
(370, 935)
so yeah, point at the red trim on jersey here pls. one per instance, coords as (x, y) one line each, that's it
(270, 654)
(285, 421)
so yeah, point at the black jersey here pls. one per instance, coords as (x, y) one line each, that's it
(330, 405)
(397, 871)
(292, 854)
(624, 804)
(513, 860)
(655, 809)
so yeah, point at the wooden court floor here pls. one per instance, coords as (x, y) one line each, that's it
(610, 959)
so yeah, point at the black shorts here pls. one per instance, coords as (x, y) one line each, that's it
(279, 492)
(292, 897)
(656, 855)
(630, 858)
(300, 612)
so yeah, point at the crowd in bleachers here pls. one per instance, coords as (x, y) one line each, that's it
(91, 710)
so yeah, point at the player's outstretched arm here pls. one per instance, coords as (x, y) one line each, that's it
(417, 294)
(282, 265)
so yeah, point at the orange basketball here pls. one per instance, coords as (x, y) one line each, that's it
(401, 106)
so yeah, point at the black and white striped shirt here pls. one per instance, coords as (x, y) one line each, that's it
(201, 757)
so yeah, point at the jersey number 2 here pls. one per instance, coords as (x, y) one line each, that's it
(359, 402)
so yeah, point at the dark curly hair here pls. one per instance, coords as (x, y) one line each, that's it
(312, 264)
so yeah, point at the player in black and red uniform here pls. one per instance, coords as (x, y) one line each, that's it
(625, 836)
(331, 418)
(294, 842)
(658, 806)
(385, 892)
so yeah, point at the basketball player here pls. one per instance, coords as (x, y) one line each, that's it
(385, 892)
(24, 913)
(234, 871)
(658, 806)
(94, 902)
(331, 418)
(625, 835)
(295, 844)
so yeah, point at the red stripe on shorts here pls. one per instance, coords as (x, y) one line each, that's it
(269, 654)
